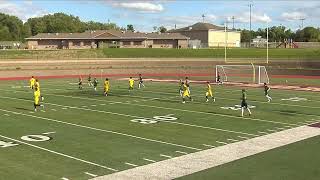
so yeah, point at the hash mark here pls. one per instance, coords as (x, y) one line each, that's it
(163, 155)
(130, 164)
(234, 140)
(150, 160)
(208, 145)
(181, 152)
(243, 137)
(222, 142)
(90, 174)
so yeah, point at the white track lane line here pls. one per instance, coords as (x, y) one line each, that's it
(60, 154)
(103, 130)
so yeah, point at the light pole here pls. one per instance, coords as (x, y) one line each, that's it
(250, 7)
(267, 42)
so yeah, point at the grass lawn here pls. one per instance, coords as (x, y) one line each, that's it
(297, 54)
(93, 134)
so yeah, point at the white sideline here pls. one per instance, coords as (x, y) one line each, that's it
(195, 162)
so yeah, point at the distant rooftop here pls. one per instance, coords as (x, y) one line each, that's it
(199, 27)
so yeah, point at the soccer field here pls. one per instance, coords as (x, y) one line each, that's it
(81, 134)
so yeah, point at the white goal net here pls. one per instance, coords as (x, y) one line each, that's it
(242, 73)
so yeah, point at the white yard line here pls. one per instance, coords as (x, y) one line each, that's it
(58, 153)
(199, 161)
(167, 156)
(243, 137)
(220, 142)
(234, 140)
(127, 115)
(208, 145)
(181, 152)
(150, 160)
(130, 164)
(102, 130)
(90, 174)
(49, 133)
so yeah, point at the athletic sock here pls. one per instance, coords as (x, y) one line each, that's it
(242, 110)
(249, 111)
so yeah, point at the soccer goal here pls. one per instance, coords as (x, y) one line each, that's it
(242, 73)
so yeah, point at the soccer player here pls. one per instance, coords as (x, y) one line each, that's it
(37, 96)
(89, 80)
(209, 92)
(266, 92)
(106, 86)
(80, 83)
(32, 82)
(185, 93)
(140, 81)
(131, 83)
(180, 87)
(95, 84)
(187, 83)
(244, 103)
(37, 85)
(219, 79)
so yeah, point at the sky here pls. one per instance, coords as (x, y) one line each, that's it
(145, 14)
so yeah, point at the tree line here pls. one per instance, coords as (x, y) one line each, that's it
(14, 29)
(281, 33)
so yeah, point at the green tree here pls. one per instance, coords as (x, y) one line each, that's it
(162, 29)
(130, 27)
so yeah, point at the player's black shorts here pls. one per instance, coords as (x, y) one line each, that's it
(80, 83)
(141, 82)
(244, 104)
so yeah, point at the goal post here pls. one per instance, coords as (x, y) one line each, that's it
(242, 73)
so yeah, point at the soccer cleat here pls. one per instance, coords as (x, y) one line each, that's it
(35, 110)
(42, 98)
(207, 100)
(214, 99)
(183, 102)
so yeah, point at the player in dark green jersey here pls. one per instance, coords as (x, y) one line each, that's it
(95, 84)
(244, 104)
(266, 92)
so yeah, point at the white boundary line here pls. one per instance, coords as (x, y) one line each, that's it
(199, 161)
(60, 154)
(103, 130)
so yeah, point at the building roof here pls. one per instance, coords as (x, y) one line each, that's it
(108, 34)
(199, 27)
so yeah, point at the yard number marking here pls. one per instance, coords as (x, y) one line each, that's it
(30, 138)
(154, 119)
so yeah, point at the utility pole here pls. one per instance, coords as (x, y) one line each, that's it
(250, 7)
(233, 22)
(203, 16)
(302, 19)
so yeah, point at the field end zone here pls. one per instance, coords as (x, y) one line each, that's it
(195, 162)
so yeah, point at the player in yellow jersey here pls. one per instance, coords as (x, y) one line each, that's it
(186, 93)
(209, 93)
(106, 86)
(131, 83)
(37, 85)
(37, 96)
(32, 82)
